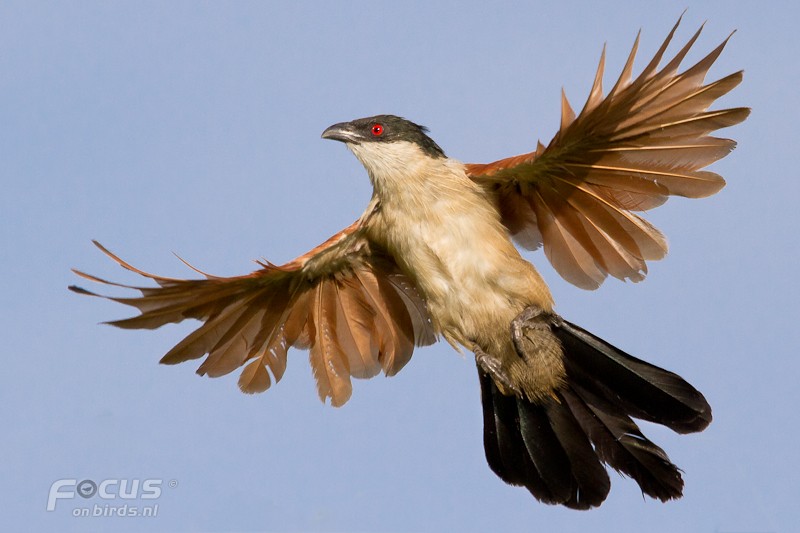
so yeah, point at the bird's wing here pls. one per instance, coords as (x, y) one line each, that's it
(629, 151)
(345, 300)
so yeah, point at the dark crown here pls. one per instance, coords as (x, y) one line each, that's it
(392, 128)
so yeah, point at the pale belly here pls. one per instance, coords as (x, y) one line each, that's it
(472, 277)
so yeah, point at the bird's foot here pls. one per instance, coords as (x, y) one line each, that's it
(533, 318)
(494, 367)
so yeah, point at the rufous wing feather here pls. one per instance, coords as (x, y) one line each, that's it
(346, 301)
(645, 141)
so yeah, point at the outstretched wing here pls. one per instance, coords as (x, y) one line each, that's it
(628, 151)
(345, 300)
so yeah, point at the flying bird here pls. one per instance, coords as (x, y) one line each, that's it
(434, 256)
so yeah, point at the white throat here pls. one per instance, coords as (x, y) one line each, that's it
(391, 166)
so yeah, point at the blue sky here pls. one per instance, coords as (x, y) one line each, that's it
(194, 128)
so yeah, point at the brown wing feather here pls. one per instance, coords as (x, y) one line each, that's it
(391, 325)
(328, 359)
(355, 328)
(345, 301)
(648, 139)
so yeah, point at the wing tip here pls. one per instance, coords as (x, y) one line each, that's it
(80, 290)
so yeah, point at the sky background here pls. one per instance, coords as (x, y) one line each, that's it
(188, 127)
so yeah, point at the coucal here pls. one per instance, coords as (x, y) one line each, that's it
(433, 256)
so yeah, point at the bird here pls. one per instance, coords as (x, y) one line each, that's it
(437, 255)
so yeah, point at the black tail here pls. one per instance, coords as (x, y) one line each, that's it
(555, 448)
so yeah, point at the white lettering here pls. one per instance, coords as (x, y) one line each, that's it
(128, 494)
(151, 489)
(101, 489)
(56, 493)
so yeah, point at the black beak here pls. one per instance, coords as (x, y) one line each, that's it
(343, 132)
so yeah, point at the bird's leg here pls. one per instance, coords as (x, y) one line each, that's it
(539, 350)
(494, 367)
(530, 329)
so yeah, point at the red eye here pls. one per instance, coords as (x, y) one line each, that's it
(377, 130)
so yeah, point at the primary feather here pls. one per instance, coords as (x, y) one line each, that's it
(628, 151)
(348, 304)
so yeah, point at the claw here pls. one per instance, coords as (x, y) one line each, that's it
(532, 317)
(493, 367)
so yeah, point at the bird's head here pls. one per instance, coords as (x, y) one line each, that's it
(385, 144)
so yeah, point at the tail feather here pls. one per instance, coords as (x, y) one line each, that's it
(504, 445)
(591, 478)
(556, 448)
(638, 388)
(541, 448)
(619, 443)
(548, 456)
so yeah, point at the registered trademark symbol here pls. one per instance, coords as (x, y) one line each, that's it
(172, 483)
